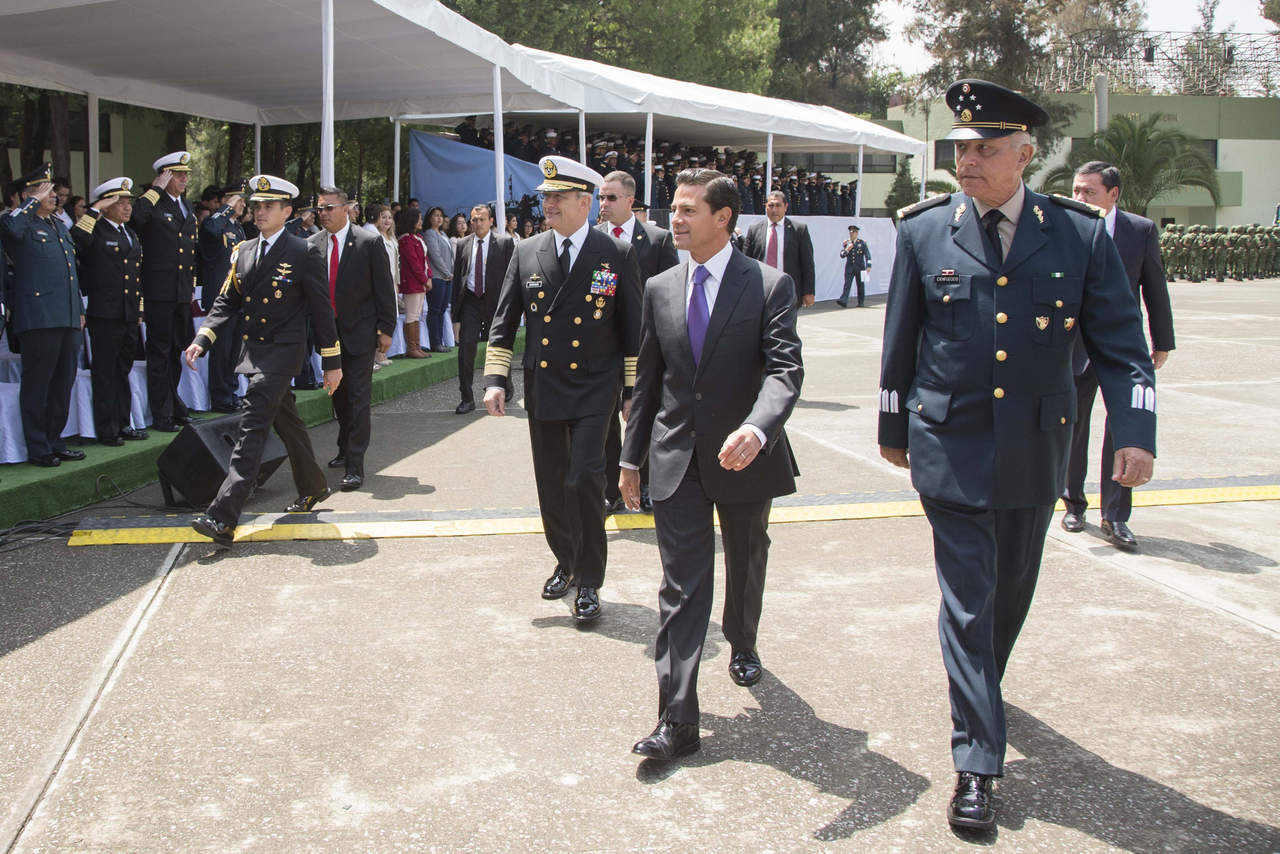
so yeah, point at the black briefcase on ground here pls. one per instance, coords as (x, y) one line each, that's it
(197, 460)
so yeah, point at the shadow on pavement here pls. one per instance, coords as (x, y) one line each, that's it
(1219, 557)
(824, 405)
(1063, 783)
(637, 624)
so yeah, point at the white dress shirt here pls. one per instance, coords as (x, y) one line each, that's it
(484, 244)
(576, 240)
(182, 206)
(1110, 219)
(342, 244)
(628, 229)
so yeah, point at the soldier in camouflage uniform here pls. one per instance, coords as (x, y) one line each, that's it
(1219, 242)
(1191, 252)
(1168, 252)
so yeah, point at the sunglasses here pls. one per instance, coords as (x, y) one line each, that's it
(327, 208)
(609, 197)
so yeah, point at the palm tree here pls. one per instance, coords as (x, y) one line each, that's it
(1152, 159)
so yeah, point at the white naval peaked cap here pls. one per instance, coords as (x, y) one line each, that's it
(176, 161)
(563, 174)
(114, 187)
(269, 188)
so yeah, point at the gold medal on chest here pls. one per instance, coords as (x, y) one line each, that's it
(1042, 323)
(597, 314)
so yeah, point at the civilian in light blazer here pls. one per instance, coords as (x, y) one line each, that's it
(363, 297)
(475, 301)
(795, 257)
(718, 374)
(1136, 239)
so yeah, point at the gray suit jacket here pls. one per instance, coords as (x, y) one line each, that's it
(750, 372)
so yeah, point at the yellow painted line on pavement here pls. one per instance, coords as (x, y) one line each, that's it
(322, 530)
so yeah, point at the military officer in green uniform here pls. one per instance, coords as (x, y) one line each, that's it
(990, 288)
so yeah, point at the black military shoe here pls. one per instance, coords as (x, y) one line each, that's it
(970, 806)
(1119, 534)
(220, 532)
(166, 425)
(110, 441)
(131, 435)
(351, 482)
(669, 741)
(1073, 522)
(558, 584)
(68, 455)
(46, 461)
(745, 668)
(616, 505)
(307, 503)
(338, 462)
(465, 407)
(586, 605)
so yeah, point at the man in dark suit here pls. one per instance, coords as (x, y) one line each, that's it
(363, 297)
(718, 351)
(219, 234)
(46, 316)
(167, 224)
(1098, 184)
(275, 280)
(655, 252)
(990, 288)
(110, 257)
(479, 267)
(578, 291)
(783, 245)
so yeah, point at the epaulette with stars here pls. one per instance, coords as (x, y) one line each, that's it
(931, 202)
(1083, 207)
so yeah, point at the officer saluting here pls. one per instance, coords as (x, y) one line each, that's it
(989, 289)
(578, 291)
(219, 234)
(110, 264)
(273, 283)
(167, 225)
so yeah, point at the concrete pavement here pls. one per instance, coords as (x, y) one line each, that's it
(416, 694)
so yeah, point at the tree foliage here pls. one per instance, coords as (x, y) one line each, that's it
(1153, 158)
(1271, 11)
(823, 53)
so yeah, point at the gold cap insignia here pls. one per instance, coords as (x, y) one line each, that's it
(549, 169)
(125, 184)
(184, 159)
(966, 115)
(1042, 323)
(263, 183)
(1069, 323)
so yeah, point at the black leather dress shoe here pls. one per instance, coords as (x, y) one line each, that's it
(166, 425)
(219, 532)
(338, 462)
(745, 669)
(69, 455)
(1119, 534)
(617, 505)
(669, 741)
(970, 806)
(110, 441)
(307, 503)
(586, 605)
(131, 435)
(465, 407)
(183, 420)
(1073, 522)
(558, 584)
(351, 482)
(46, 461)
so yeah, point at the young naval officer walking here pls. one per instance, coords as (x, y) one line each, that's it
(578, 291)
(718, 375)
(990, 288)
(275, 281)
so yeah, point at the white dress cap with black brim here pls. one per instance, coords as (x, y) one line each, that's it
(116, 187)
(269, 188)
(562, 175)
(175, 161)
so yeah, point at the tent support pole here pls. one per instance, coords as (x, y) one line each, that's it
(500, 200)
(768, 165)
(648, 158)
(257, 148)
(326, 115)
(91, 156)
(395, 167)
(582, 138)
(857, 199)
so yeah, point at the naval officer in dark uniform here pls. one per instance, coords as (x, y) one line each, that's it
(110, 261)
(46, 314)
(167, 224)
(274, 282)
(578, 291)
(990, 287)
(220, 233)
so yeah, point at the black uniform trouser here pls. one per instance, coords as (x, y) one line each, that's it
(568, 466)
(50, 358)
(306, 377)
(113, 343)
(351, 403)
(987, 563)
(269, 404)
(686, 545)
(223, 357)
(1117, 500)
(851, 276)
(471, 323)
(168, 334)
(613, 456)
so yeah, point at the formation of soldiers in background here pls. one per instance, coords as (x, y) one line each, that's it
(1239, 252)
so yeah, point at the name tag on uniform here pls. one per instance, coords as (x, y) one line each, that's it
(112, 242)
(534, 281)
(947, 277)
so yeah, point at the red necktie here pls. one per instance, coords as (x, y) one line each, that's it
(333, 272)
(617, 231)
(479, 268)
(771, 251)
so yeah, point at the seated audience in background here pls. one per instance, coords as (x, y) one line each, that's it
(415, 277)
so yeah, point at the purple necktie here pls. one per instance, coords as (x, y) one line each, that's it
(699, 317)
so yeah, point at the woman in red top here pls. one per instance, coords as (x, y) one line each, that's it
(415, 279)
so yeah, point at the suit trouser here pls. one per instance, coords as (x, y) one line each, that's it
(1117, 500)
(223, 357)
(686, 545)
(568, 465)
(269, 404)
(850, 277)
(50, 358)
(470, 329)
(168, 334)
(113, 343)
(987, 563)
(306, 377)
(351, 404)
